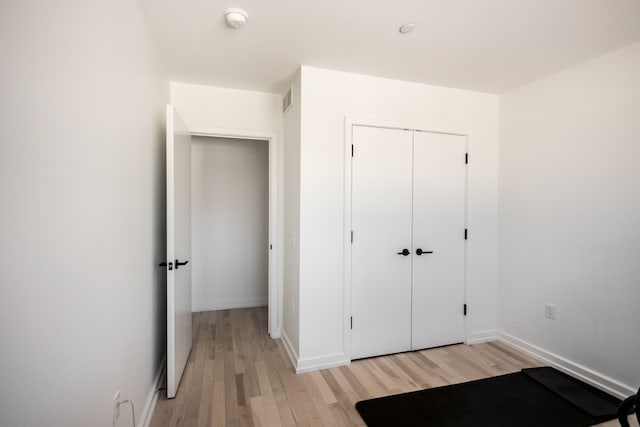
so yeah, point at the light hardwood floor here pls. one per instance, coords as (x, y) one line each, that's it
(238, 376)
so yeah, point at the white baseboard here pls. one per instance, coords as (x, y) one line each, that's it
(213, 305)
(152, 398)
(291, 352)
(322, 362)
(276, 334)
(314, 363)
(482, 336)
(567, 366)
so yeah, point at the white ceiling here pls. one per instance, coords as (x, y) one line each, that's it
(485, 45)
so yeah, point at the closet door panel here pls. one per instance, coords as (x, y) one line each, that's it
(381, 219)
(439, 191)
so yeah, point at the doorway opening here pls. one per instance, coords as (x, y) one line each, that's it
(222, 247)
(245, 177)
(229, 223)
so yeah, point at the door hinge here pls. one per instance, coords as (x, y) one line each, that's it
(352, 323)
(270, 247)
(351, 150)
(464, 310)
(351, 236)
(465, 234)
(466, 158)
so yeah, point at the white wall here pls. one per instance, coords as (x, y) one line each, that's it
(329, 96)
(569, 211)
(82, 223)
(227, 108)
(230, 223)
(291, 233)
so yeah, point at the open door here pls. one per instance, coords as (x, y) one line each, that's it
(178, 248)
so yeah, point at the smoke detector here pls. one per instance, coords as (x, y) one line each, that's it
(235, 17)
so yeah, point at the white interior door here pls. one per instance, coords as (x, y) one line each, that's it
(178, 248)
(381, 221)
(439, 192)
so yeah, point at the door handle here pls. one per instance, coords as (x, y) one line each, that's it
(178, 263)
(404, 252)
(420, 252)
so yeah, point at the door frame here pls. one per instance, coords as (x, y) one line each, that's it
(349, 122)
(275, 248)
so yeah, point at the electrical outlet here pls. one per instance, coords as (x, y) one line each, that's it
(116, 407)
(550, 311)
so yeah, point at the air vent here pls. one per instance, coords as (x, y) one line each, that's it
(286, 101)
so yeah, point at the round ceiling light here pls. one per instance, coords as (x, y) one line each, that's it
(235, 17)
(407, 28)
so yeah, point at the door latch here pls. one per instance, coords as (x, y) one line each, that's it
(164, 264)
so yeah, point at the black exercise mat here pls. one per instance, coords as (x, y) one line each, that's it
(586, 397)
(507, 400)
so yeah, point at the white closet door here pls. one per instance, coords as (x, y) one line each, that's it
(439, 181)
(381, 220)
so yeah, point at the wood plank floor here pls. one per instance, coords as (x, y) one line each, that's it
(238, 376)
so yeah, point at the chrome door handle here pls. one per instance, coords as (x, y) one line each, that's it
(420, 252)
(404, 252)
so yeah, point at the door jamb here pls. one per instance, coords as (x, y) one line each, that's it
(275, 251)
(349, 122)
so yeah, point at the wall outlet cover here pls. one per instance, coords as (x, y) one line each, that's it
(550, 311)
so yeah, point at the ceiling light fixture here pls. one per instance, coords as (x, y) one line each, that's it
(407, 28)
(235, 17)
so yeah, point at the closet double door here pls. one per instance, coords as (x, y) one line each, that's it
(408, 250)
